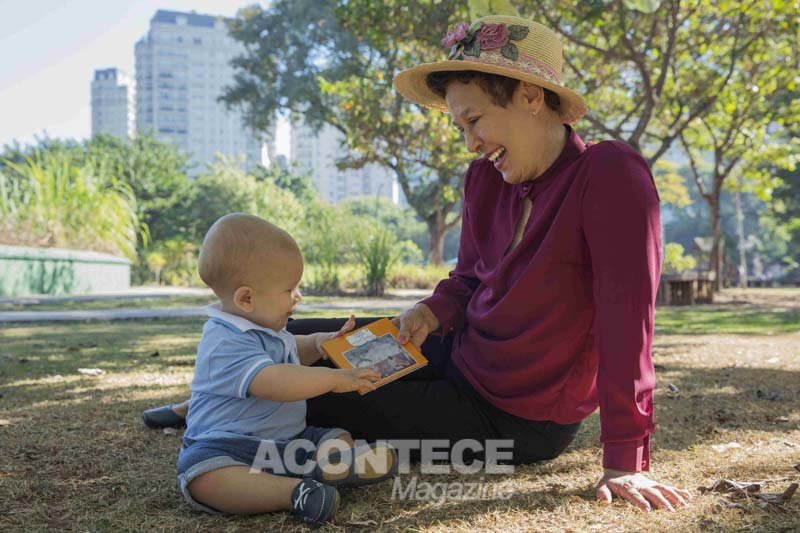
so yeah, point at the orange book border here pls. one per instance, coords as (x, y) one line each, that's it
(336, 347)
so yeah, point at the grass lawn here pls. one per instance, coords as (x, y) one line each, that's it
(74, 454)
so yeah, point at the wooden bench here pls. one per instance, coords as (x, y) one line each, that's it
(687, 288)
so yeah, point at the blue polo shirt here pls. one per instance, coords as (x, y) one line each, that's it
(231, 352)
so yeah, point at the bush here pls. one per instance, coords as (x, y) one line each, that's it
(674, 260)
(409, 276)
(180, 262)
(50, 201)
(376, 251)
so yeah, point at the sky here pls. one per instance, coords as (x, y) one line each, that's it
(49, 50)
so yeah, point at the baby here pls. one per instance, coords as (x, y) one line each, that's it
(247, 448)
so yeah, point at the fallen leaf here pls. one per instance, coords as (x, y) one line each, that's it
(170, 431)
(728, 485)
(5, 422)
(781, 419)
(91, 371)
(672, 390)
(769, 396)
(721, 448)
(739, 489)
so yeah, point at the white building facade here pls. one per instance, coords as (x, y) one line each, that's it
(113, 100)
(182, 67)
(315, 151)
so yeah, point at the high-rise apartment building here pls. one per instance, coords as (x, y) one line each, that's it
(113, 103)
(316, 150)
(182, 67)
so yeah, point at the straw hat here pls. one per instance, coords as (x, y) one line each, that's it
(498, 44)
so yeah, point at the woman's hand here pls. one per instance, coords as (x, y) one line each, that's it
(323, 337)
(640, 491)
(356, 379)
(415, 324)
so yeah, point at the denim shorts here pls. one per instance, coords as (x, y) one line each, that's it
(198, 457)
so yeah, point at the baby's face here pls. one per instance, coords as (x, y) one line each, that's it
(277, 295)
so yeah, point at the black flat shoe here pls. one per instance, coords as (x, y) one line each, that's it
(163, 417)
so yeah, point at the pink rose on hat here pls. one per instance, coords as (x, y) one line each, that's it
(493, 36)
(458, 33)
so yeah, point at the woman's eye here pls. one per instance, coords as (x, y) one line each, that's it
(473, 120)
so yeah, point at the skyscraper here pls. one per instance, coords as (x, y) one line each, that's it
(113, 103)
(182, 66)
(316, 150)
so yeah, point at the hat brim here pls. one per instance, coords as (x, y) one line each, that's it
(412, 84)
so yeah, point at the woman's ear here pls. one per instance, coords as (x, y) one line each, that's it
(244, 299)
(533, 95)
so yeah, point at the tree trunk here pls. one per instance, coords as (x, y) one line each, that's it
(436, 232)
(715, 261)
(740, 232)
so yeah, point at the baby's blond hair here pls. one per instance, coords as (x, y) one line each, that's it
(241, 249)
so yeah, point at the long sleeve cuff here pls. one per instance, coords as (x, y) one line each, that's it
(633, 456)
(446, 312)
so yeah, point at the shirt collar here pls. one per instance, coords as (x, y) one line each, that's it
(573, 147)
(240, 323)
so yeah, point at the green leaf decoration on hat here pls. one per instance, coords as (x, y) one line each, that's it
(510, 51)
(484, 8)
(473, 48)
(517, 32)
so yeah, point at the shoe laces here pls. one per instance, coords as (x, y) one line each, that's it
(302, 497)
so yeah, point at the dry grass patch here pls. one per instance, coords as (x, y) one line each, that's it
(76, 456)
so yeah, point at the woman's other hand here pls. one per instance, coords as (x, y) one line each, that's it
(640, 491)
(416, 324)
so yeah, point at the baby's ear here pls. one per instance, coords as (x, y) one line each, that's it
(243, 299)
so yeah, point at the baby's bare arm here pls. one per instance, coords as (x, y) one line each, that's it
(291, 383)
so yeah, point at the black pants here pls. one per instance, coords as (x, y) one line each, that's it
(434, 402)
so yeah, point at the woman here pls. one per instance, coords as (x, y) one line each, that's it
(548, 313)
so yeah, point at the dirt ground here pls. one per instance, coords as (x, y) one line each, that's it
(74, 454)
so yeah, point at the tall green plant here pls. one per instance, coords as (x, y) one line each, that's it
(53, 202)
(377, 251)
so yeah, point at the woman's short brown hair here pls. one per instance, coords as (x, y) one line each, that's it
(499, 88)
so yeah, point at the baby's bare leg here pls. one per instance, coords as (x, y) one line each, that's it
(235, 490)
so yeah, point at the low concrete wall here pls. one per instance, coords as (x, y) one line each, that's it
(29, 271)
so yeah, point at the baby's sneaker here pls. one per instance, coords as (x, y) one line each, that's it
(314, 502)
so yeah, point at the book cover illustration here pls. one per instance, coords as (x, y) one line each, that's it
(375, 345)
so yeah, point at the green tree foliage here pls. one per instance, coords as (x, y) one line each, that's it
(292, 179)
(156, 172)
(651, 69)
(49, 200)
(402, 222)
(670, 184)
(334, 61)
(225, 188)
(705, 74)
(675, 261)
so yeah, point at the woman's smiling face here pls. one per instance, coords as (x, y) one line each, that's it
(508, 135)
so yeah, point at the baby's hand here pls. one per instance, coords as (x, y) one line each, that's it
(360, 379)
(323, 337)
